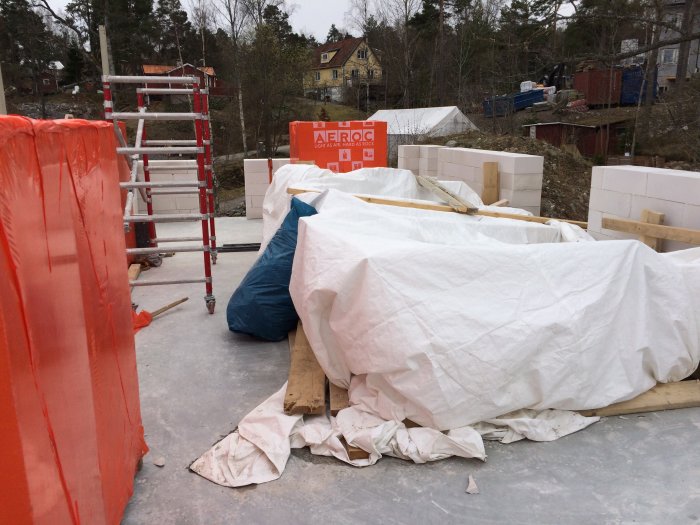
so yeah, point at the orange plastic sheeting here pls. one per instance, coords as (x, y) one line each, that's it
(71, 424)
(339, 146)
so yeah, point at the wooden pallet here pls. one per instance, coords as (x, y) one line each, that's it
(306, 387)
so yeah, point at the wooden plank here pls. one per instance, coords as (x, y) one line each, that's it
(134, 272)
(492, 183)
(664, 396)
(306, 386)
(453, 200)
(670, 233)
(442, 207)
(651, 217)
(354, 452)
(502, 202)
(339, 398)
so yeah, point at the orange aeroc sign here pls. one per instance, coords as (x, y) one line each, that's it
(339, 146)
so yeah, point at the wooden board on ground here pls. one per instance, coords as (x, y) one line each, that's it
(354, 452)
(306, 387)
(339, 398)
(664, 396)
(134, 272)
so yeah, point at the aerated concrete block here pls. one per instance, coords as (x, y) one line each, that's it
(611, 202)
(674, 185)
(409, 152)
(428, 164)
(521, 181)
(625, 179)
(429, 151)
(409, 163)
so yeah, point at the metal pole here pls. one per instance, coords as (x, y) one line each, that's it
(3, 106)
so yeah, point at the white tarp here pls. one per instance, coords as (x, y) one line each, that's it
(471, 325)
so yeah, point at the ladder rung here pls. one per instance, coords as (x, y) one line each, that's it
(148, 251)
(175, 192)
(131, 79)
(172, 169)
(165, 91)
(172, 143)
(126, 115)
(176, 239)
(175, 150)
(167, 184)
(175, 217)
(179, 281)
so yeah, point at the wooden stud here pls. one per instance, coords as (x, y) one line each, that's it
(664, 396)
(659, 231)
(339, 398)
(651, 217)
(492, 183)
(306, 386)
(502, 202)
(442, 207)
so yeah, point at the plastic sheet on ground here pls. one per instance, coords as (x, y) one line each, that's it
(483, 328)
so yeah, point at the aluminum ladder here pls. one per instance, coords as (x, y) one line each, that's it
(140, 152)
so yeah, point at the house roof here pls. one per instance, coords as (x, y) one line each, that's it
(420, 121)
(153, 69)
(344, 48)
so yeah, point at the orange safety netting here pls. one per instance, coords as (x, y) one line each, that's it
(339, 146)
(69, 403)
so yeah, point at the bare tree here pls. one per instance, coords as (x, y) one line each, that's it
(236, 17)
(684, 48)
(398, 13)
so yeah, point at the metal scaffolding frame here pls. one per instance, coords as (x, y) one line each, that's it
(143, 148)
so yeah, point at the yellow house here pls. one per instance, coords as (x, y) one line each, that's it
(350, 63)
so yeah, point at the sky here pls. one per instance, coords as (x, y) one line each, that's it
(310, 16)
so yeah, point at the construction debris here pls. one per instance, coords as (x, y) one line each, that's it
(472, 487)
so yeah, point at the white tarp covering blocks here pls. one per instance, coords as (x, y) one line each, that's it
(460, 325)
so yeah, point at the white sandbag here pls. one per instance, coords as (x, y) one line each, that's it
(449, 333)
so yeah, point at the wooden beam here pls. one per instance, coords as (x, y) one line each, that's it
(651, 217)
(664, 396)
(306, 386)
(502, 202)
(456, 202)
(442, 207)
(492, 184)
(339, 398)
(354, 452)
(670, 233)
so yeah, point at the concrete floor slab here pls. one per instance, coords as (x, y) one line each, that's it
(198, 380)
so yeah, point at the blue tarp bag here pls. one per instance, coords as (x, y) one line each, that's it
(261, 305)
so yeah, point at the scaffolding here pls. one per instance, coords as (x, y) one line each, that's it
(140, 154)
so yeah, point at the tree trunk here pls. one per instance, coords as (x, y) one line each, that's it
(684, 48)
(650, 74)
(244, 138)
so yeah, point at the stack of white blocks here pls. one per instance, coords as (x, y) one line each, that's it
(256, 173)
(168, 204)
(624, 191)
(520, 174)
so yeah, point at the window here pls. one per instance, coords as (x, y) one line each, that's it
(355, 73)
(362, 54)
(47, 81)
(335, 74)
(370, 73)
(669, 56)
(324, 58)
(318, 76)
